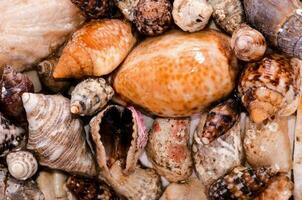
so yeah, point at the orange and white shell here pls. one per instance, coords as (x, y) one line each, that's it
(178, 74)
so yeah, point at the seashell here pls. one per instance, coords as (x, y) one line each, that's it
(13, 85)
(191, 15)
(90, 50)
(263, 139)
(11, 136)
(34, 78)
(228, 14)
(248, 43)
(168, 148)
(279, 21)
(270, 87)
(177, 70)
(297, 153)
(218, 157)
(46, 25)
(93, 8)
(21, 165)
(90, 96)
(193, 189)
(127, 7)
(55, 135)
(241, 183)
(119, 135)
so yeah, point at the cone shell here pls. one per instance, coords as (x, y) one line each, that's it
(21, 164)
(96, 49)
(177, 70)
(55, 135)
(168, 148)
(90, 96)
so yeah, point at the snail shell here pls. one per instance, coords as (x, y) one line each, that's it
(90, 96)
(55, 135)
(168, 148)
(248, 43)
(21, 164)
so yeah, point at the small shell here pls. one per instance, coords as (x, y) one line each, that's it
(90, 96)
(191, 15)
(248, 43)
(240, 183)
(168, 148)
(93, 8)
(21, 164)
(270, 87)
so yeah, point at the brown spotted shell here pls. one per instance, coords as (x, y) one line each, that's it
(93, 8)
(168, 148)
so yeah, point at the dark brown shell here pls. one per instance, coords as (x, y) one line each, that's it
(93, 8)
(279, 21)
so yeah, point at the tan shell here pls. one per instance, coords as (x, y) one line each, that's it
(127, 7)
(168, 148)
(96, 49)
(221, 155)
(179, 74)
(55, 135)
(297, 157)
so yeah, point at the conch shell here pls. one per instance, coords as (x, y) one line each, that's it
(179, 74)
(36, 31)
(96, 49)
(21, 165)
(55, 135)
(168, 148)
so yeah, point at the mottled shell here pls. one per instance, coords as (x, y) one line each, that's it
(21, 164)
(90, 96)
(191, 15)
(93, 8)
(228, 14)
(193, 189)
(36, 31)
(168, 148)
(179, 74)
(127, 7)
(240, 183)
(297, 157)
(248, 43)
(55, 135)
(270, 87)
(96, 49)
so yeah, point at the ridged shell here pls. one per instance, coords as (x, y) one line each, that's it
(179, 74)
(55, 135)
(21, 165)
(96, 49)
(36, 31)
(168, 148)
(90, 96)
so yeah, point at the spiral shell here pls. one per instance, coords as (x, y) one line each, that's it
(248, 43)
(21, 164)
(93, 8)
(90, 96)
(55, 135)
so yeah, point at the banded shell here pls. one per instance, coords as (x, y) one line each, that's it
(93, 8)
(90, 96)
(168, 148)
(241, 183)
(270, 87)
(55, 135)
(21, 165)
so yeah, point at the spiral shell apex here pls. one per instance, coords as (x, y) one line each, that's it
(22, 164)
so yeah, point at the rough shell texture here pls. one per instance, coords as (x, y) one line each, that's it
(96, 49)
(179, 74)
(168, 148)
(241, 183)
(297, 157)
(228, 14)
(248, 43)
(270, 87)
(153, 17)
(93, 8)
(90, 96)
(264, 139)
(279, 21)
(55, 135)
(45, 25)
(127, 7)
(21, 165)
(193, 189)
(191, 15)
(215, 159)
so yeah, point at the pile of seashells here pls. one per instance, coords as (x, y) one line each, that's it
(150, 99)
